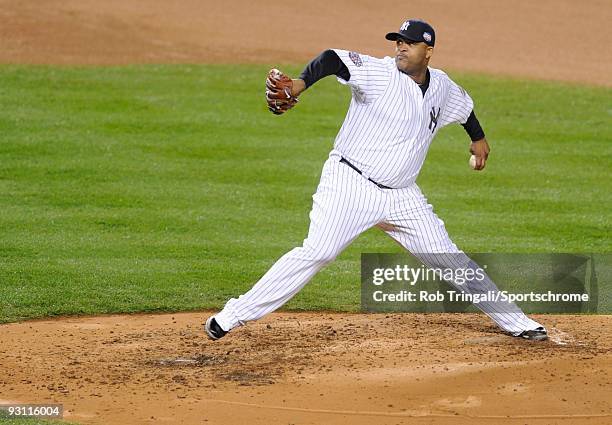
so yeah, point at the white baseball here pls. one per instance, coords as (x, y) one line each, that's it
(473, 162)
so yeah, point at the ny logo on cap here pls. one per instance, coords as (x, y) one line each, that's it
(405, 26)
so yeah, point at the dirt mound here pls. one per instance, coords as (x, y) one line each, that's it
(547, 39)
(311, 368)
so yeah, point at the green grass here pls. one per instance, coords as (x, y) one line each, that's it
(5, 419)
(33, 421)
(164, 188)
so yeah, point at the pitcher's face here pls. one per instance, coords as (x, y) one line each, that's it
(412, 57)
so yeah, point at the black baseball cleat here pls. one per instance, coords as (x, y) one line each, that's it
(537, 334)
(213, 330)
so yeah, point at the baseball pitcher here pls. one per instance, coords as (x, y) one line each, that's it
(398, 105)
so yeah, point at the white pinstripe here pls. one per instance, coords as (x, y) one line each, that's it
(386, 131)
(386, 134)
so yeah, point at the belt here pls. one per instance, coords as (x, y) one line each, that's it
(382, 186)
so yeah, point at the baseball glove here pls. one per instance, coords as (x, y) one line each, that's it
(278, 92)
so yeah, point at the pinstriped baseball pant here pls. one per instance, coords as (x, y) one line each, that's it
(345, 205)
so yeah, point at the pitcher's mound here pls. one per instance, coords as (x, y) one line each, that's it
(311, 369)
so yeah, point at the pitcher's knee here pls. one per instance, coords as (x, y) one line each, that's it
(323, 256)
(320, 256)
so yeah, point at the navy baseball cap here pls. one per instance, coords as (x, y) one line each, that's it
(415, 30)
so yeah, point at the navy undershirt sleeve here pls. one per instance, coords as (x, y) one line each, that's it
(327, 63)
(473, 128)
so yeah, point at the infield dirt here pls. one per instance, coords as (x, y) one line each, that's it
(548, 39)
(308, 368)
(311, 368)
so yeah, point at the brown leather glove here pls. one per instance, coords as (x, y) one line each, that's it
(278, 92)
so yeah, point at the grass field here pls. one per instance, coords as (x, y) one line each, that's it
(163, 188)
(4, 421)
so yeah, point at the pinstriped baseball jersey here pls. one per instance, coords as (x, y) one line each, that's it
(384, 139)
(390, 123)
